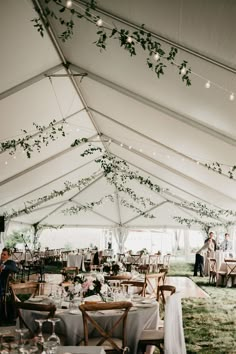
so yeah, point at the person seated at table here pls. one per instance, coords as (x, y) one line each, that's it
(7, 266)
(208, 247)
(226, 245)
(211, 237)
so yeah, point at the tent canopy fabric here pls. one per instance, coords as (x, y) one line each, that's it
(164, 130)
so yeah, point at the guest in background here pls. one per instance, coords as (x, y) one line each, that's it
(6, 266)
(211, 237)
(226, 245)
(208, 247)
(96, 258)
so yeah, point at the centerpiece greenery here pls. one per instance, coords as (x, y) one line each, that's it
(93, 284)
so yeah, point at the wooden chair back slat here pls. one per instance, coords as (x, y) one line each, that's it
(104, 335)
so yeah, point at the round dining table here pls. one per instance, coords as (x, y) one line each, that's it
(141, 316)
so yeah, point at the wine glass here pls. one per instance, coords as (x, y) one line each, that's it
(40, 339)
(22, 332)
(53, 337)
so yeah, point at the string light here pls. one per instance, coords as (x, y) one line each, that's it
(121, 145)
(6, 163)
(140, 150)
(69, 3)
(183, 70)
(130, 147)
(156, 56)
(231, 97)
(99, 22)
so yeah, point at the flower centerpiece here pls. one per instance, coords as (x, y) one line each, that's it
(112, 267)
(93, 284)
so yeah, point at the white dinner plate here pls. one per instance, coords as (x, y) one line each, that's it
(75, 312)
(144, 305)
(148, 301)
(36, 299)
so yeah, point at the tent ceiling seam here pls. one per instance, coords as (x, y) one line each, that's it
(173, 114)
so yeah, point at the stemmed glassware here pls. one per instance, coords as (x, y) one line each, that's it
(53, 337)
(40, 322)
(21, 332)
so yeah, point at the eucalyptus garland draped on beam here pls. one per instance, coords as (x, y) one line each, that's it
(42, 135)
(117, 173)
(157, 58)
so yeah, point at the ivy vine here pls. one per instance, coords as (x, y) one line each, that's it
(31, 142)
(218, 167)
(157, 58)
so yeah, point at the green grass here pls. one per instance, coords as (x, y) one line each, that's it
(209, 323)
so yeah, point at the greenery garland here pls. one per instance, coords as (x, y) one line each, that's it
(32, 204)
(218, 167)
(45, 134)
(75, 209)
(128, 40)
(202, 210)
(206, 226)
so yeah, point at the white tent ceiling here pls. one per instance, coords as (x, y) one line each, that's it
(173, 129)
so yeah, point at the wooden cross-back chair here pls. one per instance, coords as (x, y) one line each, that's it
(31, 288)
(47, 309)
(140, 285)
(212, 270)
(115, 280)
(163, 291)
(105, 336)
(153, 281)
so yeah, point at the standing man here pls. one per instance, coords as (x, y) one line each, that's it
(211, 237)
(226, 245)
(199, 260)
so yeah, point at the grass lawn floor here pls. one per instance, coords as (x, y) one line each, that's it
(209, 323)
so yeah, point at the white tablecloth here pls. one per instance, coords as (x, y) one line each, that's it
(71, 325)
(76, 260)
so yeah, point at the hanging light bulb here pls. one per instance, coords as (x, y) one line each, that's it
(121, 145)
(154, 153)
(207, 84)
(140, 150)
(6, 163)
(130, 147)
(99, 22)
(231, 97)
(183, 70)
(156, 56)
(129, 39)
(69, 3)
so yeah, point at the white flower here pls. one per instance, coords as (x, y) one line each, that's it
(100, 278)
(77, 287)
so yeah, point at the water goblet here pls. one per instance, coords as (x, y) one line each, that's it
(22, 332)
(40, 339)
(53, 338)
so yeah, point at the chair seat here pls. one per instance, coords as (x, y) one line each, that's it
(152, 335)
(106, 345)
